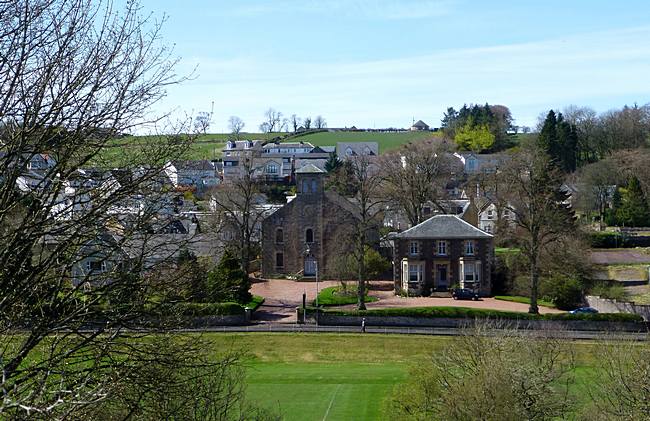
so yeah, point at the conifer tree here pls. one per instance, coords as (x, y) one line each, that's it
(634, 211)
(228, 282)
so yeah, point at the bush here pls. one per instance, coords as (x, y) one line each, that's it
(207, 309)
(608, 240)
(476, 313)
(335, 296)
(564, 292)
(612, 291)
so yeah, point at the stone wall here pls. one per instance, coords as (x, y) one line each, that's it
(333, 320)
(604, 305)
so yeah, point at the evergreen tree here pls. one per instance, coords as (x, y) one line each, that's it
(633, 210)
(228, 282)
(333, 163)
(559, 139)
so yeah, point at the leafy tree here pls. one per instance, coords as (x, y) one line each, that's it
(633, 210)
(228, 282)
(375, 264)
(473, 137)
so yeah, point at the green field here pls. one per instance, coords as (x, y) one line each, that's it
(342, 376)
(209, 146)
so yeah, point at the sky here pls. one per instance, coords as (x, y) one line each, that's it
(383, 63)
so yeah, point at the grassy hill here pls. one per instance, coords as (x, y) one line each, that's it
(209, 146)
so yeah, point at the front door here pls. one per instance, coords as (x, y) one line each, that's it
(442, 282)
(310, 266)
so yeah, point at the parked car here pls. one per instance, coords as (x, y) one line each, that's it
(464, 294)
(584, 310)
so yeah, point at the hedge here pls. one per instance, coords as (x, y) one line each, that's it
(328, 297)
(608, 240)
(475, 313)
(207, 309)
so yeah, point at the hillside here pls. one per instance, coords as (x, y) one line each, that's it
(209, 146)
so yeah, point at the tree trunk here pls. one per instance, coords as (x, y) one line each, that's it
(534, 283)
(361, 290)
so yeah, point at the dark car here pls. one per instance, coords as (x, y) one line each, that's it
(464, 294)
(584, 310)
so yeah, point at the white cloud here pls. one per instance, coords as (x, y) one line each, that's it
(528, 77)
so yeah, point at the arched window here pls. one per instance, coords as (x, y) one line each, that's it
(279, 236)
(309, 236)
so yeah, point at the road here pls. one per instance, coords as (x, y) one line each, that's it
(435, 331)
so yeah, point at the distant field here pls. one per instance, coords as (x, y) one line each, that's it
(343, 376)
(209, 146)
(386, 141)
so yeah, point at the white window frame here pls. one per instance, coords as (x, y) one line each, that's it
(470, 248)
(414, 248)
(441, 247)
(272, 168)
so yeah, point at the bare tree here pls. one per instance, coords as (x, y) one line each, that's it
(417, 174)
(597, 183)
(367, 180)
(236, 125)
(319, 122)
(623, 387)
(236, 210)
(503, 374)
(272, 121)
(532, 188)
(307, 123)
(74, 76)
(202, 121)
(295, 122)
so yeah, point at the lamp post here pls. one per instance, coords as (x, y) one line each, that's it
(307, 253)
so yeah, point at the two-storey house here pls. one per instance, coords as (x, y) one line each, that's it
(442, 252)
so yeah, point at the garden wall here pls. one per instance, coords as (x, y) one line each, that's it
(604, 305)
(338, 320)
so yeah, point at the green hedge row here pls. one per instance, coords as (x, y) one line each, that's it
(475, 313)
(608, 240)
(255, 302)
(207, 309)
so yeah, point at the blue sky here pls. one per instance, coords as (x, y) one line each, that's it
(381, 63)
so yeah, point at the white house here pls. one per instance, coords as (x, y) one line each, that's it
(200, 174)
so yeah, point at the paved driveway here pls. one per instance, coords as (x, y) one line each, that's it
(282, 296)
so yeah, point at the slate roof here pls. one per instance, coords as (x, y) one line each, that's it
(310, 169)
(421, 125)
(358, 148)
(196, 165)
(443, 227)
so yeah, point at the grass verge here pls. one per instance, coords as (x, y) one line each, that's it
(332, 296)
(523, 300)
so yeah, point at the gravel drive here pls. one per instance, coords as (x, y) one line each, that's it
(282, 296)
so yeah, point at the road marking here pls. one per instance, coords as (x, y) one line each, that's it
(331, 402)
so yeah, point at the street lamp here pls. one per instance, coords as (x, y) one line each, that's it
(307, 253)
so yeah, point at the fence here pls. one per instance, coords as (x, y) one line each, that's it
(604, 305)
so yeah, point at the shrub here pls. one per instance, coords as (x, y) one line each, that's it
(612, 291)
(476, 313)
(608, 240)
(564, 292)
(255, 302)
(207, 309)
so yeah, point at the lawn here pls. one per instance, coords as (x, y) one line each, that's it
(386, 141)
(342, 376)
